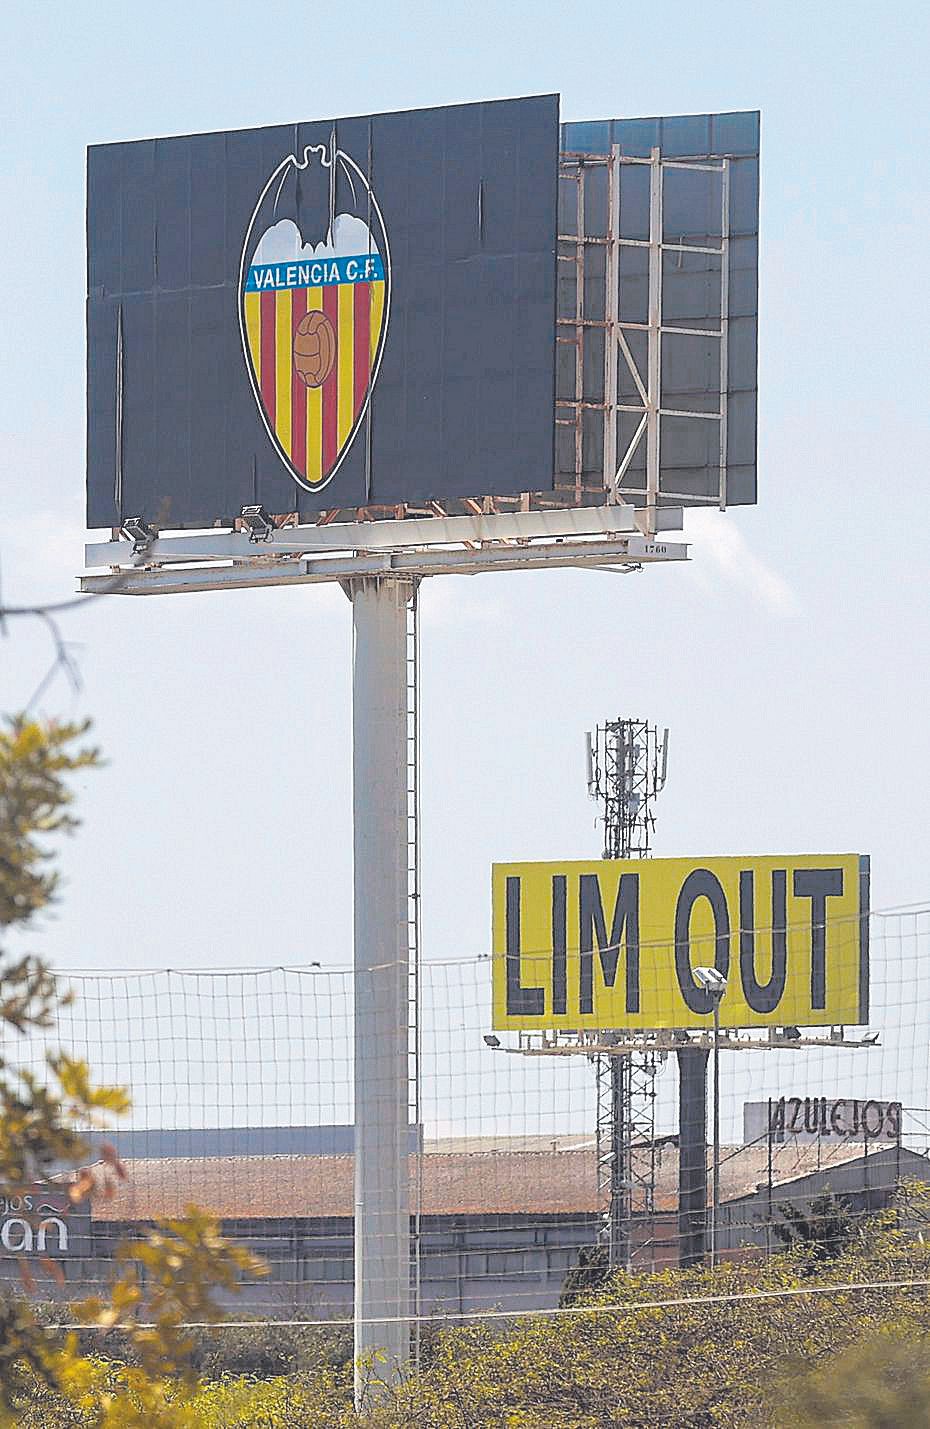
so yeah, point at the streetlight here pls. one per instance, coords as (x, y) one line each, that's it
(714, 984)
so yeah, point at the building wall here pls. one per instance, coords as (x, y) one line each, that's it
(467, 1263)
(867, 1184)
(481, 1262)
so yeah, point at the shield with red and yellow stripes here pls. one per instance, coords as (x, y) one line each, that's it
(314, 308)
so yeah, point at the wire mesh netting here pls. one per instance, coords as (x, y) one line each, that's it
(241, 1087)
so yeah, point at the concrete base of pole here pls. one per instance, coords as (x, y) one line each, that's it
(382, 1194)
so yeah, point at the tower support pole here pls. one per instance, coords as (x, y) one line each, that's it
(692, 1155)
(381, 967)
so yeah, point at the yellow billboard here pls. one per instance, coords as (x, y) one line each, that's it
(614, 943)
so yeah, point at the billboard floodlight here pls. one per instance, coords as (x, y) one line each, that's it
(136, 531)
(258, 523)
(711, 980)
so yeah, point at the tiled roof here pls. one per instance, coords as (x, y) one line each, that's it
(511, 1180)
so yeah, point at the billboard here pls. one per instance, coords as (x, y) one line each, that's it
(821, 1119)
(323, 315)
(614, 943)
(445, 311)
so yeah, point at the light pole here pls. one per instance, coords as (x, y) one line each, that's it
(715, 985)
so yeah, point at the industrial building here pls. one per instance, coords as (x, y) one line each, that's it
(501, 1220)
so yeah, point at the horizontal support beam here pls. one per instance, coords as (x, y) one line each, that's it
(694, 164)
(703, 1042)
(669, 412)
(424, 531)
(257, 570)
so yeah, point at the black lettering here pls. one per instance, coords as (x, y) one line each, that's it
(878, 1119)
(559, 940)
(811, 1115)
(837, 1122)
(777, 1116)
(818, 884)
(593, 931)
(794, 1123)
(894, 1120)
(700, 884)
(763, 997)
(521, 1001)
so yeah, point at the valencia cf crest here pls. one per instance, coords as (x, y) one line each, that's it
(314, 304)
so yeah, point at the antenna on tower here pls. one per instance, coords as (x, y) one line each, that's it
(627, 765)
(589, 757)
(664, 771)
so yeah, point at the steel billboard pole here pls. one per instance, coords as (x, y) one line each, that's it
(381, 972)
(714, 983)
(692, 1154)
(715, 1193)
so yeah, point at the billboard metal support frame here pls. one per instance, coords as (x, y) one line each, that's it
(429, 545)
(649, 408)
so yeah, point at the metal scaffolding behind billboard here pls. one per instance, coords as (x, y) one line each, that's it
(611, 392)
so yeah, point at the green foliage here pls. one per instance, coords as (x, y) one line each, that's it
(37, 1116)
(182, 1262)
(269, 1351)
(35, 801)
(591, 1272)
(824, 1232)
(227, 1404)
(260, 1351)
(882, 1383)
(765, 1360)
(711, 1362)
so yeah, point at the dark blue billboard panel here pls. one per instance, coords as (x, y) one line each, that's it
(330, 315)
(684, 224)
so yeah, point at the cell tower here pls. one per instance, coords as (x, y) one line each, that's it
(626, 765)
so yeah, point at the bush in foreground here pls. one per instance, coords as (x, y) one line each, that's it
(739, 1352)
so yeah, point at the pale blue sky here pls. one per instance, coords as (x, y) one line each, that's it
(789, 658)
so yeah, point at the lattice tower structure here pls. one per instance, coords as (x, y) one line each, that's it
(627, 763)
